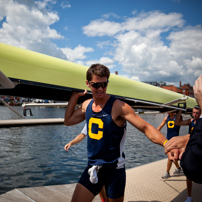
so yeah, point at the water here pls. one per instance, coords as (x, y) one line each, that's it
(35, 156)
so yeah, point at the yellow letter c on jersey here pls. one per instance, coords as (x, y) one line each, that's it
(171, 124)
(191, 129)
(100, 124)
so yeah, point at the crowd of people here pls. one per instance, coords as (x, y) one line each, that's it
(105, 130)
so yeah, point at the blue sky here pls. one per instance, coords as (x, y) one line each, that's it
(145, 40)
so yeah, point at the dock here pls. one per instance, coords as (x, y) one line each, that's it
(143, 184)
(64, 104)
(30, 122)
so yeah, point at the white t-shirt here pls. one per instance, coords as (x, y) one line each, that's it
(84, 131)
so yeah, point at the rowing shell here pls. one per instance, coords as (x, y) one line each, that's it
(30, 74)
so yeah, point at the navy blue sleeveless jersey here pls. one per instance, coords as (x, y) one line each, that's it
(191, 126)
(172, 129)
(105, 139)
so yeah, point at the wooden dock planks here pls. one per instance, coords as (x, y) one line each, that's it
(143, 183)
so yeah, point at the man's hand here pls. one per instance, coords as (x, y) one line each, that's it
(79, 94)
(174, 155)
(72, 115)
(179, 143)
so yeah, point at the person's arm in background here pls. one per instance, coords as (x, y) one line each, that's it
(162, 124)
(79, 138)
(179, 121)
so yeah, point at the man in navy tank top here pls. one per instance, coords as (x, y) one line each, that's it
(196, 111)
(172, 131)
(106, 119)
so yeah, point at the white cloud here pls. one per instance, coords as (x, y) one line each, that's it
(103, 60)
(194, 67)
(186, 43)
(27, 25)
(107, 61)
(153, 20)
(195, 63)
(41, 4)
(65, 5)
(101, 28)
(143, 22)
(141, 51)
(109, 15)
(146, 58)
(102, 44)
(77, 53)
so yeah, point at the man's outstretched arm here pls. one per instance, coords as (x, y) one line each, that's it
(150, 131)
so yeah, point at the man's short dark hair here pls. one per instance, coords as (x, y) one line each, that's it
(98, 70)
(197, 107)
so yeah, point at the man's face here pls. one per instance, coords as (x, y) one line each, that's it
(171, 114)
(196, 113)
(97, 92)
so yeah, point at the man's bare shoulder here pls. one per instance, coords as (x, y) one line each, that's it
(120, 105)
(85, 104)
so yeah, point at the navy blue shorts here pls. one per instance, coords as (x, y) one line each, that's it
(113, 179)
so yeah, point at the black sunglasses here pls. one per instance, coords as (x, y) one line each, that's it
(97, 84)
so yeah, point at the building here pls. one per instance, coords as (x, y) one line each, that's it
(185, 89)
(172, 88)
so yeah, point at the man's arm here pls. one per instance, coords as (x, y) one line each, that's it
(162, 123)
(127, 113)
(72, 115)
(179, 121)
